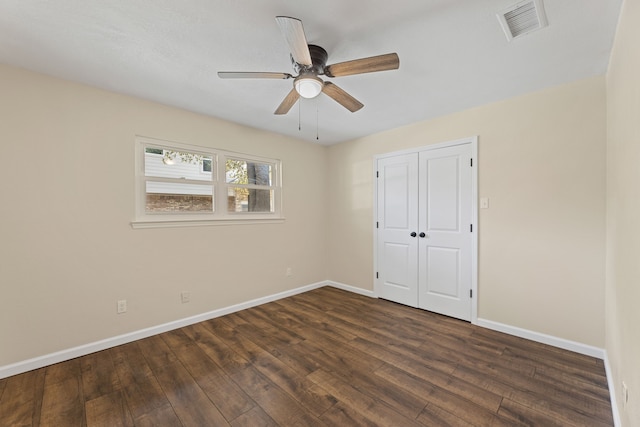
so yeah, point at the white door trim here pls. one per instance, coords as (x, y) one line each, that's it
(474, 213)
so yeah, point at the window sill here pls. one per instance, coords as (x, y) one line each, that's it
(203, 222)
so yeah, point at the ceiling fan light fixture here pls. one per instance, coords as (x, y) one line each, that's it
(308, 86)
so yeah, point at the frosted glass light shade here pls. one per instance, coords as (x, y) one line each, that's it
(308, 86)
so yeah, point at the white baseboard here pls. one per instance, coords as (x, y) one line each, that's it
(543, 338)
(350, 288)
(60, 356)
(617, 421)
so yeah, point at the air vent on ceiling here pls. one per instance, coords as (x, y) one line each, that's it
(522, 18)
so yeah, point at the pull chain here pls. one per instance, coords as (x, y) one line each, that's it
(299, 102)
(317, 121)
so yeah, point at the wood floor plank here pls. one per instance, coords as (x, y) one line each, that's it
(131, 355)
(191, 404)
(343, 415)
(370, 408)
(357, 372)
(205, 336)
(591, 375)
(62, 371)
(326, 357)
(281, 407)
(258, 319)
(457, 354)
(145, 398)
(433, 415)
(256, 417)
(402, 356)
(301, 358)
(315, 399)
(537, 396)
(523, 414)
(478, 409)
(108, 410)
(305, 323)
(21, 395)
(416, 384)
(245, 349)
(99, 377)
(571, 384)
(156, 352)
(162, 416)
(38, 395)
(230, 399)
(61, 405)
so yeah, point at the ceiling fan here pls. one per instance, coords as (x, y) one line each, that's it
(309, 62)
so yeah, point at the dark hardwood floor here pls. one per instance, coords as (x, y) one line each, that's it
(322, 358)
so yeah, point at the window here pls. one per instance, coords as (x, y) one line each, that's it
(249, 186)
(179, 184)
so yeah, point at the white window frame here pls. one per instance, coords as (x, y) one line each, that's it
(220, 215)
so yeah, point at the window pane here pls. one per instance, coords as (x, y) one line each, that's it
(177, 164)
(171, 197)
(244, 172)
(240, 199)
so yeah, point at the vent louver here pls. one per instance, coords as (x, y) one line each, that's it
(522, 18)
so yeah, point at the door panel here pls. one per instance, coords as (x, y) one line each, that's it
(445, 216)
(443, 271)
(396, 195)
(397, 219)
(398, 256)
(442, 194)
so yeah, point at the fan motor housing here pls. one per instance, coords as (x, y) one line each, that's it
(319, 58)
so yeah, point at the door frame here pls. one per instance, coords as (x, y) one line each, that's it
(473, 141)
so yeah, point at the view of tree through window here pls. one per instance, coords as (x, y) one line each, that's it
(245, 177)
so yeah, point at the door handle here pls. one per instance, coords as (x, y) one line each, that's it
(413, 234)
(422, 234)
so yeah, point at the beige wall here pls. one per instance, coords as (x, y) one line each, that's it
(623, 212)
(67, 250)
(541, 242)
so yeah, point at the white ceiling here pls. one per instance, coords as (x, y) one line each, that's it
(453, 54)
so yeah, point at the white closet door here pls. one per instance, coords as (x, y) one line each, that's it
(445, 239)
(397, 209)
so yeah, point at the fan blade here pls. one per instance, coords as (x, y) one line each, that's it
(249, 75)
(342, 97)
(288, 102)
(390, 61)
(293, 33)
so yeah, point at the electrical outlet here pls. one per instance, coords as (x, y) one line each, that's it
(289, 272)
(625, 394)
(122, 306)
(185, 296)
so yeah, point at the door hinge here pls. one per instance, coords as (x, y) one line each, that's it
(471, 163)
(471, 228)
(470, 293)
(377, 276)
(377, 224)
(377, 174)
